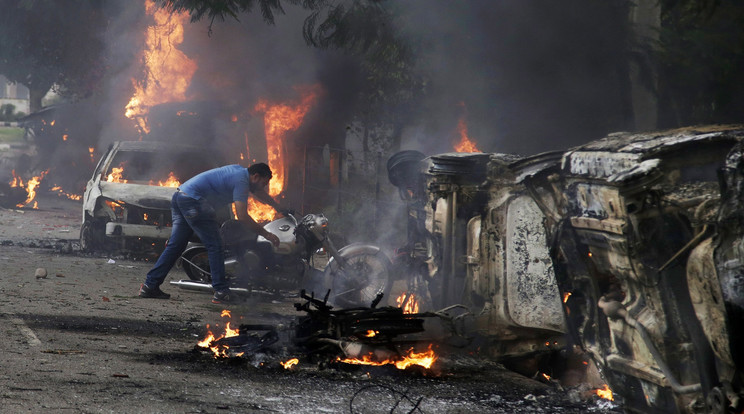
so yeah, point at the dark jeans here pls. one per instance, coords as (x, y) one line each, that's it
(191, 216)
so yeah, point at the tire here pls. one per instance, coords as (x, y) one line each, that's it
(198, 268)
(92, 237)
(366, 274)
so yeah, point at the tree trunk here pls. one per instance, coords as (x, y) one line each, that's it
(35, 97)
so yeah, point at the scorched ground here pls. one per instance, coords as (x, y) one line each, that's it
(79, 340)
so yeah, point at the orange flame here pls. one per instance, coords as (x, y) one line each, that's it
(425, 359)
(605, 393)
(289, 364)
(60, 191)
(30, 186)
(219, 351)
(169, 70)
(115, 176)
(408, 303)
(278, 120)
(465, 144)
(172, 181)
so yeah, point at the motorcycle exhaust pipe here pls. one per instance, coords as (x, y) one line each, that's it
(204, 287)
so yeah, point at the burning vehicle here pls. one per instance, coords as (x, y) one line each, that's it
(632, 241)
(126, 206)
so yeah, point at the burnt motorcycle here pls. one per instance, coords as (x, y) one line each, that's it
(305, 258)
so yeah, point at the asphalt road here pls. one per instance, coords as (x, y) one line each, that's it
(80, 341)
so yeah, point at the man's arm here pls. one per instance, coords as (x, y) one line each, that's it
(264, 197)
(241, 208)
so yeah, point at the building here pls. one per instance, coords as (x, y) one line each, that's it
(14, 94)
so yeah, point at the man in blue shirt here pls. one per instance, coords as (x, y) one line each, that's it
(193, 210)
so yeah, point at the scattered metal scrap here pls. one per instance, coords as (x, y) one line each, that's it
(354, 332)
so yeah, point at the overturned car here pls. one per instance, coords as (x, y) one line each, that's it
(633, 240)
(126, 206)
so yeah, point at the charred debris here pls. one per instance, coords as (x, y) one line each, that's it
(628, 248)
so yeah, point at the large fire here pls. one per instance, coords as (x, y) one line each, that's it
(425, 359)
(278, 120)
(169, 70)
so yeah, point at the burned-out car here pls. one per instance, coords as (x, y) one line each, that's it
(634, 241)
(645, 233)
(126, 206)
(477, 244)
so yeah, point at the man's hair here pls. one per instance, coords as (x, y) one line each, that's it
(261, 169)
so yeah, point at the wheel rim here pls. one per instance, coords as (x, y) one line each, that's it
(363, 278)
(198, 271)
(87, 237)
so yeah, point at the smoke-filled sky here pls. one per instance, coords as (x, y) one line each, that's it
(526, 76)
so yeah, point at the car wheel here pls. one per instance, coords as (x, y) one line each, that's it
(92, 236)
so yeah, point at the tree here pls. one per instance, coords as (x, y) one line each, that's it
(701, 62)
(232, 8)
(369, 30)
(47, 43)
(365, 30)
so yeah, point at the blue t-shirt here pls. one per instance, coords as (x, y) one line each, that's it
(219, 186)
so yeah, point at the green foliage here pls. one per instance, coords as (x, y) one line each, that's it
(701, 61)
(8, 113)
(221, 9)
(46, 42)
(372, 30)
(365, 29)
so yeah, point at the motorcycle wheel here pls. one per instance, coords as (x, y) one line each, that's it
(366, 274)
(196, 265)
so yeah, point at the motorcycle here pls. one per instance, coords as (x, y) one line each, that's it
(305, 258)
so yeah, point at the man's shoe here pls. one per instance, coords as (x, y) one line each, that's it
(152, 293)
(222, 296)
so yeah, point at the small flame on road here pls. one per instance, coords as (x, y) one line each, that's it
(425, 359)
(60, 191)
(289, 364)
(30, 187)
(605, 393)
(219, 351)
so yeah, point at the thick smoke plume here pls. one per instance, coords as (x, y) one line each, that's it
(525, 77)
